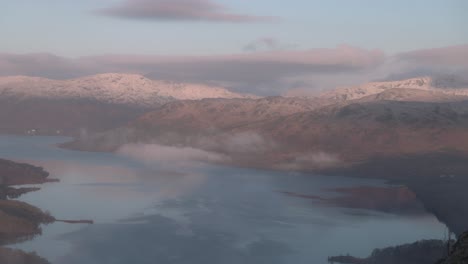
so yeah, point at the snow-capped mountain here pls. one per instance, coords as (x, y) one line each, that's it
(437, 87)
(127, 89)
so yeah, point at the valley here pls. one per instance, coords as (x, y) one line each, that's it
(408, 134)
(233, 132)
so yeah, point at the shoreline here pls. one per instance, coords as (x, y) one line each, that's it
(412, 171)
(444, 170)
(20, 221)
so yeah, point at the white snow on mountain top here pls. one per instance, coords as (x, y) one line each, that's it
(446, 85)
(129, 89)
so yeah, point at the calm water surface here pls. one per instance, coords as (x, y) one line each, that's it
(179, 212)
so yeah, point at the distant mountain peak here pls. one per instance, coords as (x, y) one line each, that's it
(434, 87)
(116, 88)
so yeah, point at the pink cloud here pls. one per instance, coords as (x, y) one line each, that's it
(42, 65)
(448, 56)
(179, 10)
(263, 73)
(342, 57)
(446, 62)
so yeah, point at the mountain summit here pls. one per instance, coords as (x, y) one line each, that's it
(127, 89)
(433, 89)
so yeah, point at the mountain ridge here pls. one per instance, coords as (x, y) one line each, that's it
(348, 133)
(112, 88)
(438, 85)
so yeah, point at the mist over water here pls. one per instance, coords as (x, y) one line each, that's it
(164, 210)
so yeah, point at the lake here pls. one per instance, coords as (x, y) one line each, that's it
(183, 211)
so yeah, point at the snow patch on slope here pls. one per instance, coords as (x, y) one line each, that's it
(445, 85)
(129, 89)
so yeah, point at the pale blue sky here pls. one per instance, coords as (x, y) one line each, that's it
(72, 28)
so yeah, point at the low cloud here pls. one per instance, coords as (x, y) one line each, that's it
(247, 142)
(447, 56)
(241, 143)
(269, 73)
(318, 159)
(437, 62)
(168, 155)
(43, 65)
(179, 10)
(178, 159)
(270, 70)
(312, 160)
(261, 73)
(237, 144)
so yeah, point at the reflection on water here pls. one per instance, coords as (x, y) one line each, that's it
(387, 199)
(7, 192)
(160, 212)
(162, 240)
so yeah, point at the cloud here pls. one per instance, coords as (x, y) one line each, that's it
(247, 142)
(437, 62)
(154, 153)
(447, 56)
(262, 73)
(178, 10)
(315, 160)
(270, 70)
(42, 65)
(267, 44)
(319, 159)
(234, 144)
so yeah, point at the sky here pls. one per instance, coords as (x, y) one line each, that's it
(77, 28)
(88, 36)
